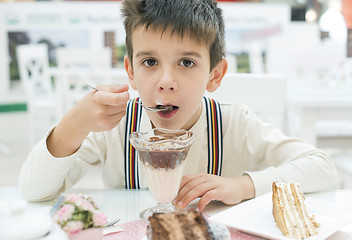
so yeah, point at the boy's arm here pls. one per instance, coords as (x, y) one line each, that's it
(50, 167)
(97, 111)
(271, 156)
(43, 176)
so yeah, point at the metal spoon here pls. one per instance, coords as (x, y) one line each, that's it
(158, 108)
(56, 205)
(112, 222)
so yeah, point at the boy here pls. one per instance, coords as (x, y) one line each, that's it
(175, 52)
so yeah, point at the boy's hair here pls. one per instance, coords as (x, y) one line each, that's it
(200, 19)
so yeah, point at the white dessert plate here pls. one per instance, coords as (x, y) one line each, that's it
(255, 217)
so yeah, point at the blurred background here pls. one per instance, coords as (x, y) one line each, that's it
(49, 50)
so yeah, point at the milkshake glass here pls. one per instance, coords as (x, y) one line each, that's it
(162, 155)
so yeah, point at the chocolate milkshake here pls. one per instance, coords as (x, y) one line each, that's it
(162, 154)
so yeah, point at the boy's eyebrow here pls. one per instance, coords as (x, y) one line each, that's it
(144, 53)
(149, 53)
(196, 54)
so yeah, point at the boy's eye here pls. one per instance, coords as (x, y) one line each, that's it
(187, 63)
(150, 62)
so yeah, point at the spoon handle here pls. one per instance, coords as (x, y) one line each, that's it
(164, 108)
(92, 87)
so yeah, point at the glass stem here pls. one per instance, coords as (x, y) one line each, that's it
(164, 207)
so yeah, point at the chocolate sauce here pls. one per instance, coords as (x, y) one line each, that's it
(168, 159)
(162, 148)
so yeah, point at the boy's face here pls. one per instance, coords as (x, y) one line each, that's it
(168, 70)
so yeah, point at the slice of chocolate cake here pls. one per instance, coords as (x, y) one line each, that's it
(178, 226)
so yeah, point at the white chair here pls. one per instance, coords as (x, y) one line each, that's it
(231, 63)
(78, 67)
(265, 94)
(4, 149)
(42, 101)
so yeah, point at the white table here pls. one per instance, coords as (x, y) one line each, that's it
(127, 204)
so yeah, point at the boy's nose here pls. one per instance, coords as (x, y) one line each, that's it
(167, 81)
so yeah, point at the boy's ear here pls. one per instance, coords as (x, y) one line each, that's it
(130, 72)
(217, 75)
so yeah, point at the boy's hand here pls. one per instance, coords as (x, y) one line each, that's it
(211, 187)
(101, 110)
(97, 111)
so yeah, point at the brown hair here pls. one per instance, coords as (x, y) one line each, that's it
(200, 19)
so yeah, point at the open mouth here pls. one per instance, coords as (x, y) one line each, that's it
(167, 108)
(169, 111)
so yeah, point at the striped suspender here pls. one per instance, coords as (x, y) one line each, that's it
(215, 149)
(133, 118)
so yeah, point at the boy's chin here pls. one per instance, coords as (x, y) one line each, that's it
(168, 125)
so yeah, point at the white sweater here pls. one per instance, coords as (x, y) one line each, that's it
(249, 147)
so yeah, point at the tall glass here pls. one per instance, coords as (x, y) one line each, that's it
(162, 155)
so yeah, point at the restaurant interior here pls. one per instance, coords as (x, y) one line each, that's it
(290, 61)
(301, 56)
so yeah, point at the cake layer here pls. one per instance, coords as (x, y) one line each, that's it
(178, 226)
(290, 213)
